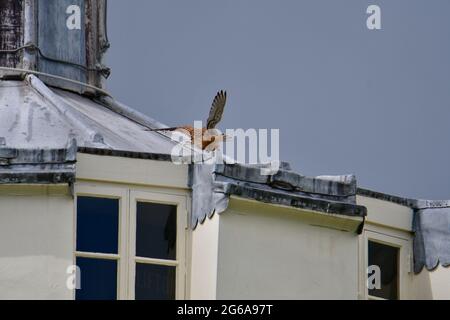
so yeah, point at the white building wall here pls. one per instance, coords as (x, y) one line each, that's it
(275, 253)
(440, 283)
(434, 285)
(204, 253)
(387, 213)
(36, 242)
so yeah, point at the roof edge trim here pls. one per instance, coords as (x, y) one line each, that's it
(406, 202)
(299, 202)
(125, 154)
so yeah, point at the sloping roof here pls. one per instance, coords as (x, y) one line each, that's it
(35, 116)
(39, 126)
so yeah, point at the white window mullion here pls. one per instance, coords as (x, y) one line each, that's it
(123, 240)
(93, 255)
(132, 247)
(158, 262)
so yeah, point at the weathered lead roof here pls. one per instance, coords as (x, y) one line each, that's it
(212, 186)
(432, 236)
(42, 128)
(34, 116)
(53, 166)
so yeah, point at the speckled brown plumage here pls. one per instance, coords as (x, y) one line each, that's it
(206, 139)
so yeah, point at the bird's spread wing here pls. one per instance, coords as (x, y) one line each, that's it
(216, 112)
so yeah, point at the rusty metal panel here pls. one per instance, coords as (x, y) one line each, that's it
(11, 32)
(61, 39)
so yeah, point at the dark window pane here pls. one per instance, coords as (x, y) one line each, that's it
(386, 258)
(155, 282)
(156, 231)
(98, 279)
(97, 225)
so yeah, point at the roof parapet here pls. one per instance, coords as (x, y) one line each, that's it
(55, 166)
(213, 185)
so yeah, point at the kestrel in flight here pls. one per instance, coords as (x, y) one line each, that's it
(208, 140)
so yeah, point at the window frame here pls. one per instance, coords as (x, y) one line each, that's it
(121, 256)
(404, 259)
(128, 197)
(180, 268)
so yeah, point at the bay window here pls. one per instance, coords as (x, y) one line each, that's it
(130, 244)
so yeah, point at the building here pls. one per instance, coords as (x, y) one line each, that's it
(86, 189)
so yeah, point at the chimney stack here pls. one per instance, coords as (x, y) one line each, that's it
(57, 38)
(10, 32)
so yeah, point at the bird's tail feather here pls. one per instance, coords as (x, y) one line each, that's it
(163, 129)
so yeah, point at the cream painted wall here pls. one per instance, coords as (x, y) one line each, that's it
(204, 253)
(131, 171)
(36, 242)
(275, 254)
(387, 213)
(434, 285)
(440, 283)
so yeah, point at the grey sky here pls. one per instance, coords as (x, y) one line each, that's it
(347, 100)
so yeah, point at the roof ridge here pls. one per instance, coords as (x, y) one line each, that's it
(45, 92)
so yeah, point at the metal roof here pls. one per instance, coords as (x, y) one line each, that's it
(34, 116)
(212, 186)
(432, 236)
(42, 128)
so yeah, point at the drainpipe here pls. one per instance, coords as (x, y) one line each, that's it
(29, 35)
